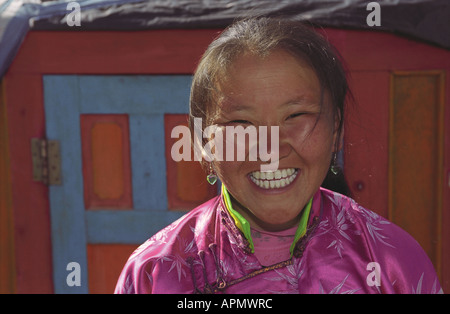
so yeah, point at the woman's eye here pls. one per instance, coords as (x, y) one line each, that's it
(294, 115)
(240, 121)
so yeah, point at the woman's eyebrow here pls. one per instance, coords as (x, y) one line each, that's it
(302, 100)
(236, 107)
(231, 106)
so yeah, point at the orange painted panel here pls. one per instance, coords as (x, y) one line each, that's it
(105, 263)
(191, 182)
(106, 161)
(186, 181)
(366, 140)
(416, 157)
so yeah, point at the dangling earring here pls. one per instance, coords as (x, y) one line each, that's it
(334, 166)
(212, 176)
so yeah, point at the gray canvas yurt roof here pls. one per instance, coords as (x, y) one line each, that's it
(424, 20)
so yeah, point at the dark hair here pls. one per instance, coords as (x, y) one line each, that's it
(260, 36)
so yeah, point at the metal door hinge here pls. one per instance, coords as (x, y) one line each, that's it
(46, 161)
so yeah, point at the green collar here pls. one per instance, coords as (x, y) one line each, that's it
(244, 225)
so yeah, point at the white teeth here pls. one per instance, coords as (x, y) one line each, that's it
(274, 179)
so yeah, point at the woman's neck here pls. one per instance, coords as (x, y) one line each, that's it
(259, 224)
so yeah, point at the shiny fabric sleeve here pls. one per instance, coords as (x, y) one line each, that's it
(157, 267)
(387, 257)
(406, 268)
(135, 279)
(163, 264)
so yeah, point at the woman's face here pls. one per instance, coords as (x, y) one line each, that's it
(278, 90)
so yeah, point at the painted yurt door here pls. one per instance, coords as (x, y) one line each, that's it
(119, 185)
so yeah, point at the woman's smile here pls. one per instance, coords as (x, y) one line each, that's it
(274, 180)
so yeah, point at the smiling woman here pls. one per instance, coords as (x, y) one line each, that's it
(306, 140)
(276, 231)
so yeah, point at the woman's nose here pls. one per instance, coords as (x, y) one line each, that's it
(284, 147)
(273, 144)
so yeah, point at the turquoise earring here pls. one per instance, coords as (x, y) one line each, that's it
(212, 176)
(334, 166)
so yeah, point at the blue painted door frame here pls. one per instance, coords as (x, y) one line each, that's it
(145, 99)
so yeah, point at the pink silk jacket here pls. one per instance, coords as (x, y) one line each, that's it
(346, 249)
